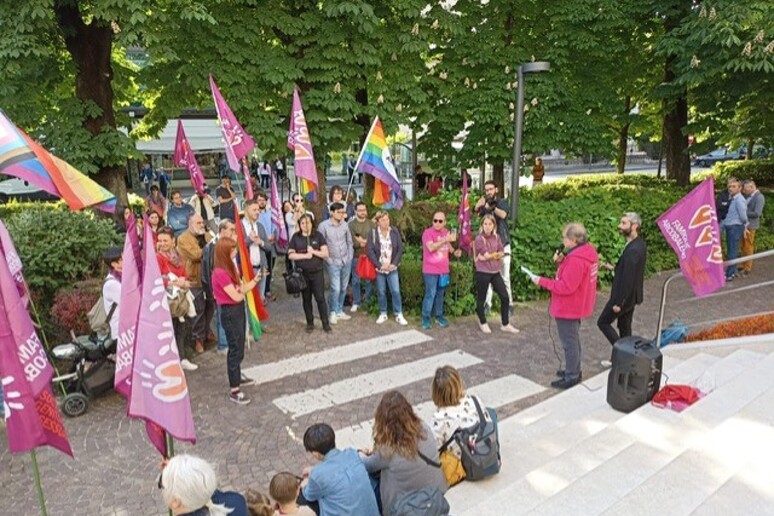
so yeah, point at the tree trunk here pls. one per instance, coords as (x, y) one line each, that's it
(623, 137)
(90, 46)
(675, 142)
(750, 145)
(498, 176)
(364, 121)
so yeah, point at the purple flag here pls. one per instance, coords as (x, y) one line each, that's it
(691, 228)
(245, 168)
(31, 413)
(276, 214)
(238, 142)
(14, 263)
(159, 391)
(131, 295)
(184, 157)
(463, 217)
(300, 143)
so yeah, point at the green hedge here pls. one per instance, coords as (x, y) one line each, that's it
(460, 295)
(759, 170)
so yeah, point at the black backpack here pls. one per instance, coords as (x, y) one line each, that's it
(480, 447)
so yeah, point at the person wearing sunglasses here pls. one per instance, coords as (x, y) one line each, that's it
(291, 217)
(436, 247)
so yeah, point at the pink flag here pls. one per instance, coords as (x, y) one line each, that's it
(248, 180)
(691, 228)
(238, 142)
(14, 263)
(463, 217)
(276, 214)
(184, 157)
(31, 414)
(131, 295)
(300, 143)
(159, 392)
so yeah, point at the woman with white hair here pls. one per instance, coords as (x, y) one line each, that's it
(189, 487)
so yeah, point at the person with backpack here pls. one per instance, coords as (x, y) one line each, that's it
(406, 457)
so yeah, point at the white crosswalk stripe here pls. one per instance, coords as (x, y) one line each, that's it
(364, 385)
(310, 361)
(495, 393)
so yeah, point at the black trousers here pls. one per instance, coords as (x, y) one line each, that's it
(199, 324)
(233, 320)
(182, 331)
(270, 266)
(315, 286)
(605, 322)
(483, 280)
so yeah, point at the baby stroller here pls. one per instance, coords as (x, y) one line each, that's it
(91, 374)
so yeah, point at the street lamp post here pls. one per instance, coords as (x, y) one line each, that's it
(538, 66)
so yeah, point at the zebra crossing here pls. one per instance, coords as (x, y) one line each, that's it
(496, 392)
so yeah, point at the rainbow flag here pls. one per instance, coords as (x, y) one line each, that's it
(21, 157)
(375, 159)
(256, 311)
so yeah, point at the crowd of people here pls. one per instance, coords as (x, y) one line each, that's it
(405, 460)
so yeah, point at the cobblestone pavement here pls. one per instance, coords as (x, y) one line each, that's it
(114, 467)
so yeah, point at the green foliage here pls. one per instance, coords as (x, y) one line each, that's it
(58, 247)
(460, 294)
(760, 171)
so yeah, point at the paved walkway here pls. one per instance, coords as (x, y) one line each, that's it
(337, 378)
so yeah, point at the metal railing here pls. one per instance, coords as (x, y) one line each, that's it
(679, 274)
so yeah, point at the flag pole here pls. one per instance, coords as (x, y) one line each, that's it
(43, 336)
(360, 156)
(38, 486)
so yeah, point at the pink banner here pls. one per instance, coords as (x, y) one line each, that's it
(300, 143)
(463, 217)
(131, 295)
(691, 228)
(184, 157)
(159, 391)
(31, 413)
(14, 263)
(245, 168)
(238, 142)
(277, 219)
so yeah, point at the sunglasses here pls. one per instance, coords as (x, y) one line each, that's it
(439, 221)
(297, 200)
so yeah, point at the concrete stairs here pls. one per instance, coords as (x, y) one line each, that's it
(573, 454)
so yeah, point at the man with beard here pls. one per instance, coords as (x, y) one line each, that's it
(190, 245)
(627, 284)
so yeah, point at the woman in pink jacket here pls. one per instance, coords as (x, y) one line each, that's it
(573, 295)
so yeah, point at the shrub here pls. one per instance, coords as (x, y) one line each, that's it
(59, 247)
(71, 306)
(460, 298)
(757, 325)
(759, 170)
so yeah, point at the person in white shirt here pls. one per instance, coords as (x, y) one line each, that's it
(111, 288)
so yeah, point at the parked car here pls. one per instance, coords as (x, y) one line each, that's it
(22, 190)
(709, 159)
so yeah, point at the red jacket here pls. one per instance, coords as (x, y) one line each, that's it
(574, 291)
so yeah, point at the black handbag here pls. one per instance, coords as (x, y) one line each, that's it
(295, 282)
(480, 447)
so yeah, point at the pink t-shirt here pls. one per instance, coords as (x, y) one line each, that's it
(435, 262)
(220, 280)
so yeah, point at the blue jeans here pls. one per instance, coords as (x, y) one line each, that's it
(734, 234)
(222, 342)
(391, 280)
(339, 278)
(432, 304)
(356, 296)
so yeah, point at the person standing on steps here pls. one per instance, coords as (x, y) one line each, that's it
(628, 282)
(308, 250)
(436, 247)
(491, 204)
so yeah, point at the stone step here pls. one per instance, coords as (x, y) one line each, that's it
(659, 437)
(546, 462)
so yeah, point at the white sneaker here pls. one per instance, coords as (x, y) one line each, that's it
(607, 364)
(401, 320)
(509, 328)
(485, 328)
(332, 318)
(353, 309)
(343, 316)
(381, 319)
(188, 365)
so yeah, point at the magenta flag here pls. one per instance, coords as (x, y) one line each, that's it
(131, 295)
(31, 414)
(300, 143)
(463, 217)
(691, 228)
(184, 157)
(238, 142)
(276, 214)
(159, 391)
(245, 168)
(14, 263)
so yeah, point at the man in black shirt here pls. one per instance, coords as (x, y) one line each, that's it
(226, 196)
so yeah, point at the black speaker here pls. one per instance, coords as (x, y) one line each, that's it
(635, 375)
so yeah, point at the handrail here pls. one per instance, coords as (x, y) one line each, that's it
(678, 274)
